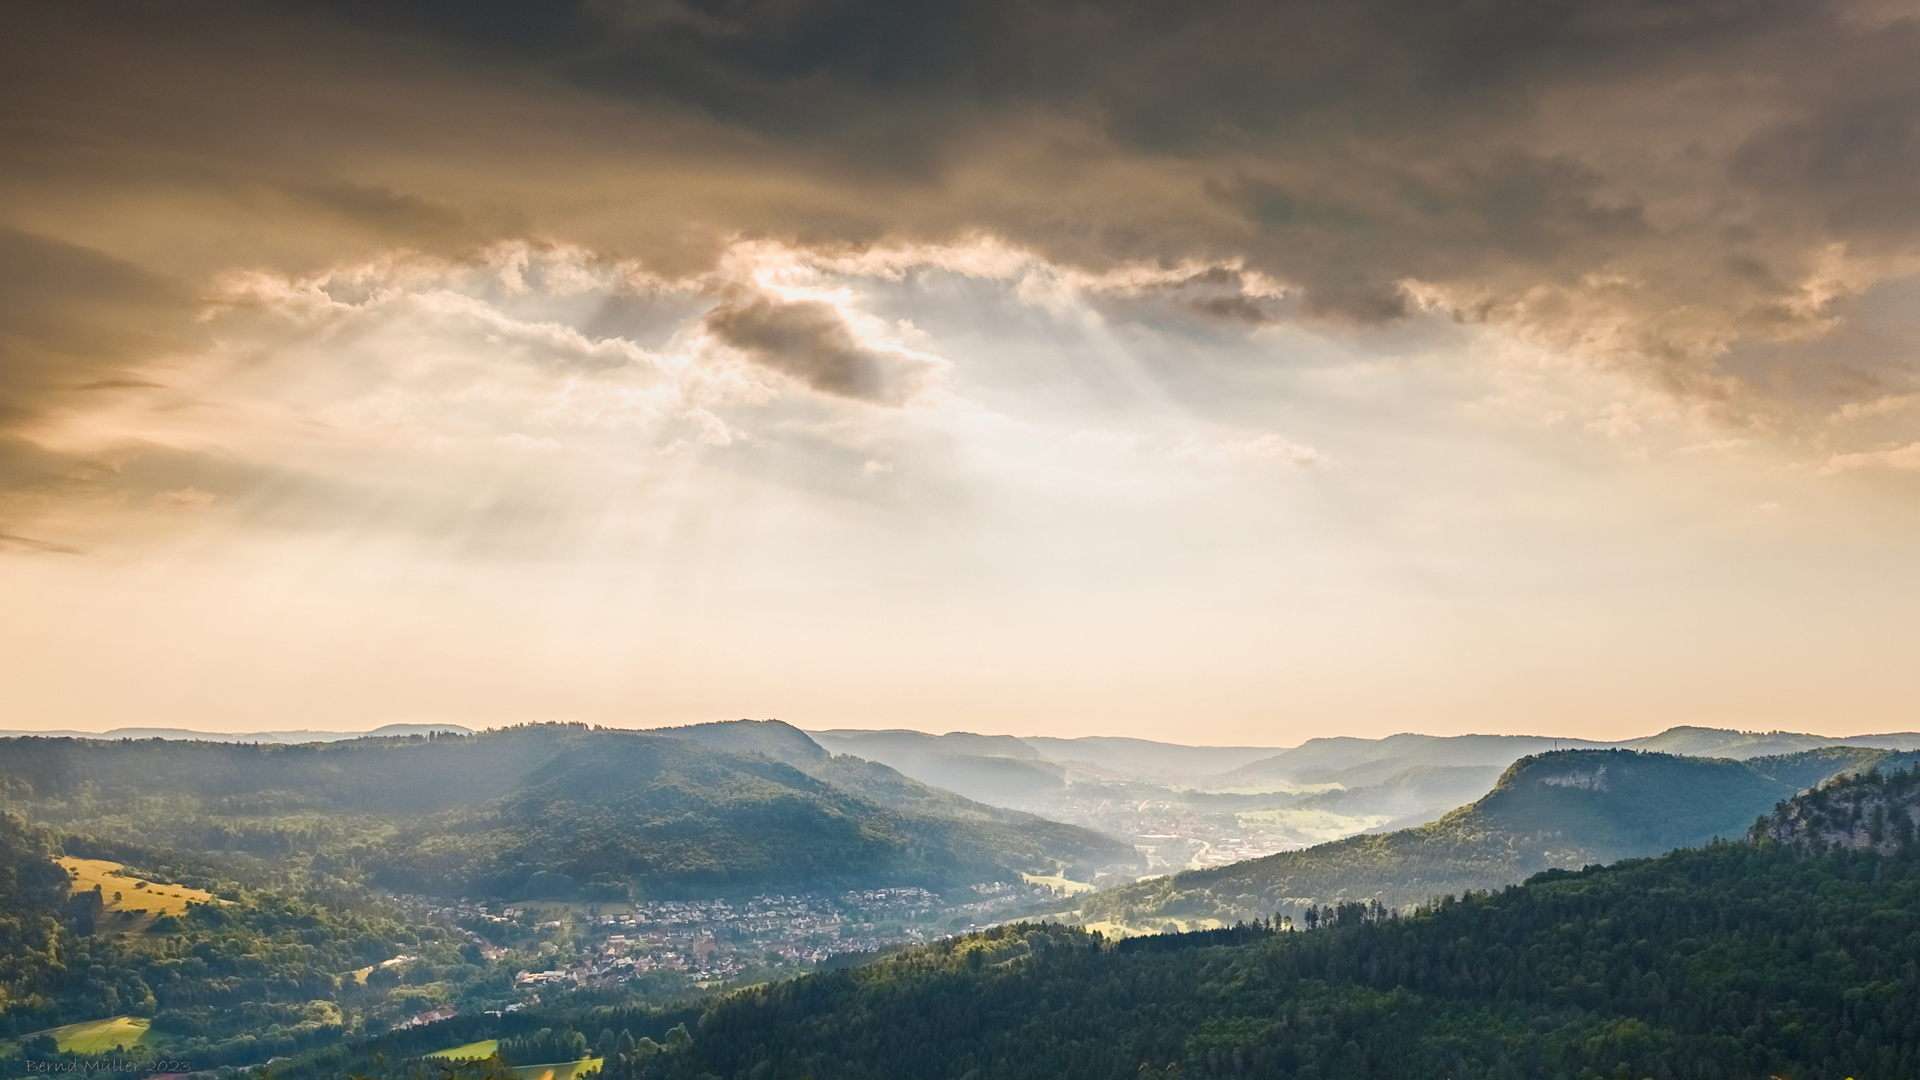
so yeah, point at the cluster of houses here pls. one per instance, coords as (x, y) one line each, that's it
(712, 939)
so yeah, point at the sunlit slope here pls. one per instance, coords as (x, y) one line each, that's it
(129, 903)
(541, 810)
(1560, 809)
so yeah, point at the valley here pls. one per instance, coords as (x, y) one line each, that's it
(427, 893)
(1195, 808)
(959, 540)
(1560, 810)
(1692, 964)
(682, 946)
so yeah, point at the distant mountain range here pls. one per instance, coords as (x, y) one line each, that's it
(999, 761)
(1101, 810)
(546, 810)
(1560, 809)
(289, 737)
(1355, 762)
(1191, 807)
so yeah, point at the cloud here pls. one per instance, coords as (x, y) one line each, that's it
(27, 543)
(811, 341)
(73, 322)
(184, 499)
(1211, 450)
(1275, 448)
(1711, 157)
(1898, 457)
(420, 228)
(528, 444)
(1644, 186)
(1880, 406)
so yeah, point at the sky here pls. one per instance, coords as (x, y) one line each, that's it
(1218, 372)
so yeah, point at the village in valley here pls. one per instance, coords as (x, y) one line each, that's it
(566, 945)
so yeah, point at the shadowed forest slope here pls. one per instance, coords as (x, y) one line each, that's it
(1561, 809)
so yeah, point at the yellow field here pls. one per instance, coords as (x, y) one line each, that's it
(470, 1052)
(1120, 930)
(474, 1051)
(1059, 884)
(99, 1036)
(134, 893)
(565, 1070)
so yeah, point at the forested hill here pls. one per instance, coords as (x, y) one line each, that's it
(1560, 809)
(536, 810)
(870, 779)
(232, 979)
(1875, 811)
(33, 894)
(1739, 960)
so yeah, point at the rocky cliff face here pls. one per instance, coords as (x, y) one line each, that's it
(1868, 811)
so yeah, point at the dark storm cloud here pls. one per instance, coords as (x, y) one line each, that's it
(1216, 295)
(71, 315)
(1351, 146)
(1854, 156)
(811, 341)
(72, 321)
(1669, 175)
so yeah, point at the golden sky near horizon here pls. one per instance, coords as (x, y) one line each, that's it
(1229, 373)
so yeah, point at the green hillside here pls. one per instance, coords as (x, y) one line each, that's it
(1738, 960)
(221, 981)
(879, 782)
(1561, 809)
(534, 811)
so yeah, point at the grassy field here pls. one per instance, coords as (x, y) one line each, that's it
(99, 1036)
(1120, 930)
(470, 1052)
(1058, 883)
(565, 1070)
(473, 1051)
(124, 894)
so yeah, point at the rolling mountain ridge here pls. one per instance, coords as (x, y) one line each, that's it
(540, 810)
(1565, 808)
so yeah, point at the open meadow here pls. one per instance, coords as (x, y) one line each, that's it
(99, 1036)
(130, 903)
